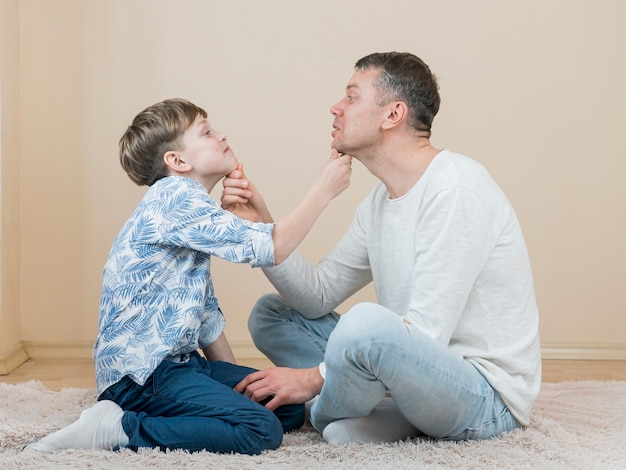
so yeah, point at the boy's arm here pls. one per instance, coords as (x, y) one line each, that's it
(331, 181)
(219, 350)
(241, 198)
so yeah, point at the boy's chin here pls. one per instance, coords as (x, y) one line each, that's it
(228, 172)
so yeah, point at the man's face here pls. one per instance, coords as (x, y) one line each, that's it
(358, 118)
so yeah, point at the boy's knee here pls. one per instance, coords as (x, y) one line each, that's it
(291, 416)
(272, 437)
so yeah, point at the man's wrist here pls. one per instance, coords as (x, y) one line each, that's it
(317, 379)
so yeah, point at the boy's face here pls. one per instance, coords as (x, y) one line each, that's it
(207, 152)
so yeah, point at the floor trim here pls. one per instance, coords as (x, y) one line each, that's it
(246, 350)
(588, 351)
(13, 359)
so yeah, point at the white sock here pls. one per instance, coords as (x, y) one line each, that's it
(307, 408)
(98, 427)
(385, 424)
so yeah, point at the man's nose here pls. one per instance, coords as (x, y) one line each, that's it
(335, 109)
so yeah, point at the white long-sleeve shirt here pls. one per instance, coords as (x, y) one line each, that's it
(450, 257)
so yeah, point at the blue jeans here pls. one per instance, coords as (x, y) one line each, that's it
(369, 352)
(192, 405)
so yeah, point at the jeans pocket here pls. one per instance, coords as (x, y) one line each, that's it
(126, 393)
(502, 423)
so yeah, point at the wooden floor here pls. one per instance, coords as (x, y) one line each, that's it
(60, 373)
(79, 373)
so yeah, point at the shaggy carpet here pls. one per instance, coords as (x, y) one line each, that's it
(575, 425)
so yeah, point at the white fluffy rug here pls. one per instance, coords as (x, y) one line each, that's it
(576, 425)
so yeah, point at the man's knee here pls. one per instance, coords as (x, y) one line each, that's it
(263, 312)
(360, 327)
(364, 319)
(366, 339)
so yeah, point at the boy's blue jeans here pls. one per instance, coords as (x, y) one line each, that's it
(192, 405)
(371, 351)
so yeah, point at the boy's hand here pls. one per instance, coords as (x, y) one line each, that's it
(335, 175)
(240, 197)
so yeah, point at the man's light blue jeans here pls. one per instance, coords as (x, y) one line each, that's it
(369, 352)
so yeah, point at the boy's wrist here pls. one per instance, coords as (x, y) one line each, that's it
(320, 196)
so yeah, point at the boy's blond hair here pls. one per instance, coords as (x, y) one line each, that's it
(155, 131)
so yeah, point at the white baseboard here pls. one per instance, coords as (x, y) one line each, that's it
(584, 352)
(244, 350)
(13, 359)
(59, 350)
(83, 350)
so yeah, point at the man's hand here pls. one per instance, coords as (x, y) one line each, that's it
(281, 385)
(240, 197)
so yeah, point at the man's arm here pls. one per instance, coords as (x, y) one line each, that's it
(282, 385)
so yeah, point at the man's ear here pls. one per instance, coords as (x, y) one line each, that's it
(396, 113)
(176, 162)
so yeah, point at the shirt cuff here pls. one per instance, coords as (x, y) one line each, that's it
(322, 368)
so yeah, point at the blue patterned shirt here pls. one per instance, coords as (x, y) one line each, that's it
(157, 295)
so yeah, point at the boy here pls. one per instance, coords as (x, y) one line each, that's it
(158, 306)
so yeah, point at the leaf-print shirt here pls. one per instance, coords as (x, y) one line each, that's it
(157, 295)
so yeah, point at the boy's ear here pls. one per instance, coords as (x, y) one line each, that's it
(176, 162)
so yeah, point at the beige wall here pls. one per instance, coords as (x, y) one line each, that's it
(11, 348)
(534, 90)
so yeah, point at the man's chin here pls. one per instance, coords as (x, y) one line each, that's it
(337, 146)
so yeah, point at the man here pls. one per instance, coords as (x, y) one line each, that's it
(451, 349)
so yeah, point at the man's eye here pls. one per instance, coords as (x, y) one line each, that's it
(350, 98)
(207, 133)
